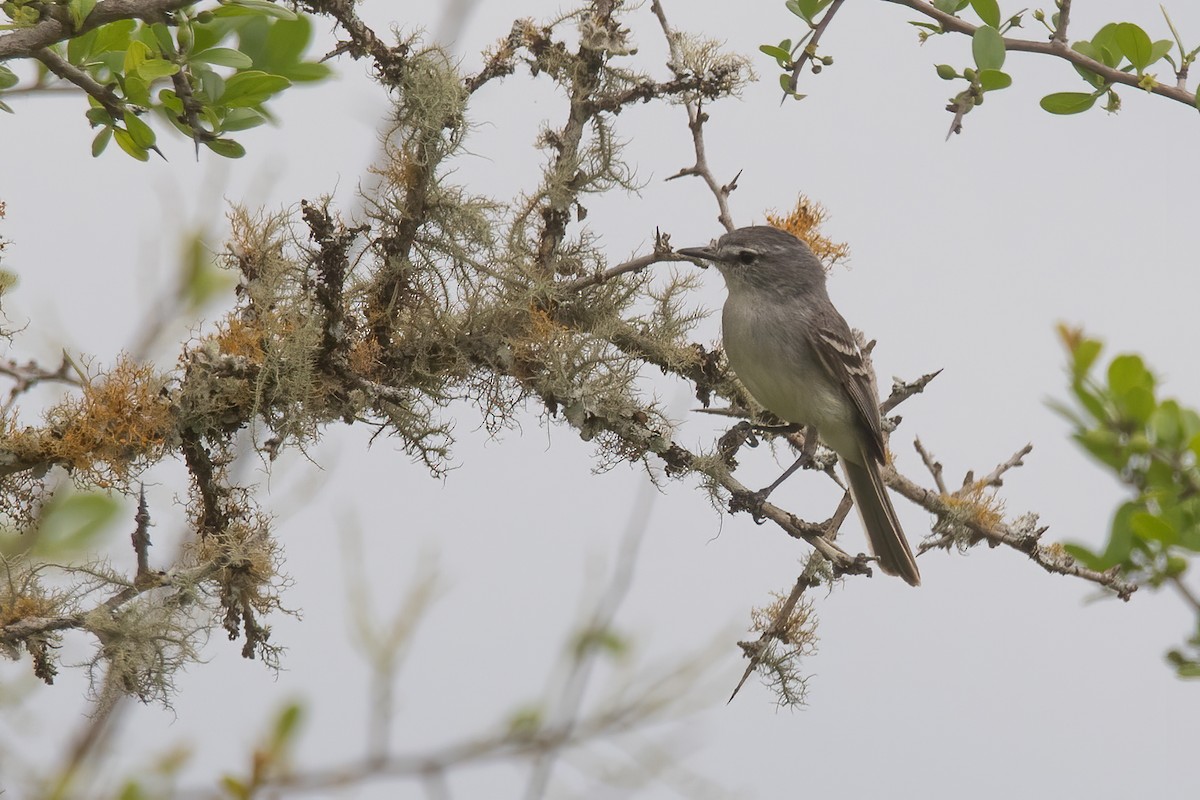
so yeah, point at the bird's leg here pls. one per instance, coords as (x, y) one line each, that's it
(753, 501)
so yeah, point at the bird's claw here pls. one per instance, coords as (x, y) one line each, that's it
(751, 502)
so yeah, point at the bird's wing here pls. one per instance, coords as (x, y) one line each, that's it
(841, 357)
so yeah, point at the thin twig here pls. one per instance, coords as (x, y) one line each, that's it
(1186, 593)
(755, 650)
(1055, 48)
(1050, 558)
(810, 49)
(934, 467)
(568, 704)
(104, 95)
(1064, 19)
(995, 477)
(902, 390)
(632, 265)
(29, 374)
(696, 119)
(141, 538)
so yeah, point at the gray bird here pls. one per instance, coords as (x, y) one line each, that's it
(796, 355)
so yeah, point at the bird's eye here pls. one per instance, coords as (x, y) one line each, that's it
(747, 257)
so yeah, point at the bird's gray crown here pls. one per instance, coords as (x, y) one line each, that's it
(764, 258)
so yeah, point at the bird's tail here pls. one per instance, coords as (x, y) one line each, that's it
(879, 519)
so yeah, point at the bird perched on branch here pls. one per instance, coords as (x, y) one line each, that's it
(797, 356)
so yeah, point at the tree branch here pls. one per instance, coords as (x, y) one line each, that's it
(810, 49)
(1058, 49)
(25, 42)
(696, 119)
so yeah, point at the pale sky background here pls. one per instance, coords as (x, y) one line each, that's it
(993, 680)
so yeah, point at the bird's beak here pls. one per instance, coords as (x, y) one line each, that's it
(708, 253)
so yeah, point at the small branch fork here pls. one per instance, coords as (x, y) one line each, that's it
(810, 49)
(696, 119)
(26, 376)
(965, 517)
(757, 650)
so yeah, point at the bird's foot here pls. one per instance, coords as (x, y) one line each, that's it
(751, 502)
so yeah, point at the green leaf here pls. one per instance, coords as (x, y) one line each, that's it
(201, 278)
(1084, 355)
(251, 88)
(232, 786)
(988, 11)
(950, 6)
(164, 39)
(1084, 556)
(1166, 425)
(131, 147)
(1147, 526)
(287, 725)
(170, 101)
(795, 8)
(1120, 537)
(136, 55)
(8, 78)
(114, 36)
(223, 57)
(1067, 102)
(1105, 446)
(99, 116)
(240, 119)
(1160, 49)
(779, 54)
(1106, 45)
(212, 85)
(306, 71)
(1126, 372)
(137, 90)
(80, 48)
(154, 68)
(1135, 44)
(1091, 77)
(101, 141)
(79, 10)
(72, 524)
(226, 147)
(992, 79)
(288, 39)
(810, 8)
(1138, 404)
(988, 48)
(257, 7)
(139, 131)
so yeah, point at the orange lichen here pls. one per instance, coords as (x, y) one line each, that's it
(121, 421)
(804, 222)
(977, 505)
(237, 337)
(365, 356)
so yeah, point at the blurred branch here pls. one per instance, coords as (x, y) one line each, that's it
(29, 374)
(595, 638)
